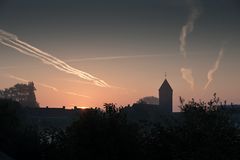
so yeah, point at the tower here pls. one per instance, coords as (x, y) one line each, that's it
(165, 96)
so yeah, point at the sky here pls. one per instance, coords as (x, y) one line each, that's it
(89, 52)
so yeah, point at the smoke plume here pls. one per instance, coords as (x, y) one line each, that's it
(214, 68)
(186, 29)
(187, 75)
(12, 41)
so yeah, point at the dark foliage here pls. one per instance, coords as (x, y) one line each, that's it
(102, 135)
(16, 139)
(149, 100)
(22, 93)
(204, 131)
(208, 131)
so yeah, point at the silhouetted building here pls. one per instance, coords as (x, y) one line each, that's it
(52, 117)
(161, 112)
(165, 97)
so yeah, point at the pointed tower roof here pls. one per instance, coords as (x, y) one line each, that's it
(165, 86)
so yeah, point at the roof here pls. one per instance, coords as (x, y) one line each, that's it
(165, 86)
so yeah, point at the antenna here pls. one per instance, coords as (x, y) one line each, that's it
(165, 75)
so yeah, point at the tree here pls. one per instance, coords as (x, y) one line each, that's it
(17, 139)
(149, 100)
(208, 131)
(52, 144)
(22, 93)
(102, 135)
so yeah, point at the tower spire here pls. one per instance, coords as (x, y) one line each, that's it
(165, 96)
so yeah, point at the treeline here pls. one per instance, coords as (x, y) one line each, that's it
(205, 132)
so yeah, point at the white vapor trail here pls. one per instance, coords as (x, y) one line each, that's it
(186, 29)
(40, 84)
(7, 67)
(214, 69)
(12, 41)
(18, 78)
(76, 94)
(115, 57)
(48, 86)
(187, 75)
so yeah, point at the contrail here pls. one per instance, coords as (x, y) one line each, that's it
(88, 83)
(48, 86)
(18, 78)
(12, 41)
(186, 29)
(40, 84)
(214, 69)
(7, 67)
(79, 81)
(116, 57)
(76, 94)
(187, 75)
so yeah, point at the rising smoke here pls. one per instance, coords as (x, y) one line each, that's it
(187, 75)
(214, 68)
(12, 41)
(186, 29)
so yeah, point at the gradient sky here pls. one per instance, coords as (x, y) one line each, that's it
(129, 44)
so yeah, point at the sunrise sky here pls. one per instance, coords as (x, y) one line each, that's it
(119, 50)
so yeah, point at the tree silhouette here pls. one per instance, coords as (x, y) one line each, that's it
(102, 135)
(17, 140)
(52, 144)
(208, 131)
(149, 100)
(22, 93)
(202, 131)
(9, 124)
